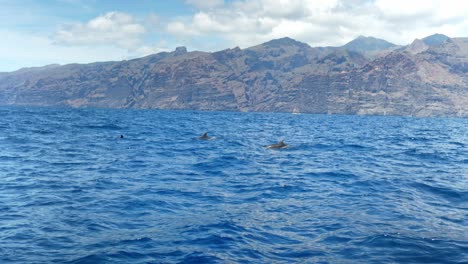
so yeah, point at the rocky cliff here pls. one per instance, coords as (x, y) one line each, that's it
(279, 76)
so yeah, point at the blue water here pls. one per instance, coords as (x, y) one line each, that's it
(350, 189)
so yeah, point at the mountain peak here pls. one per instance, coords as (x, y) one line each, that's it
(286, 41)
(180, 50)
(368, 44)
(435, 39)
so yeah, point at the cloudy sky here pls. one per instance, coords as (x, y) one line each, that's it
(41, 32)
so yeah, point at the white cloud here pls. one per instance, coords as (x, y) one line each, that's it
(218, 24)
(323, 22)
(152, 22)
(113, 28)
(412, 9)
(205, 4)
(30, 50)
(34, 50)
(151, 49)
(247, 23)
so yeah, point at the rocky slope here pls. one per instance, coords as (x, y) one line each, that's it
(279, 76)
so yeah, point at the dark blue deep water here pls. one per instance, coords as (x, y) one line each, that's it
(350, 189)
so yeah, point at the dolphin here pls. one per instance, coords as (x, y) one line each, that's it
(204, 136)
(279, 145)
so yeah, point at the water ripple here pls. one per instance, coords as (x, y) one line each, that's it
(349, 189)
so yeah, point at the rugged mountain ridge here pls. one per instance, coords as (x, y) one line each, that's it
(278, 76)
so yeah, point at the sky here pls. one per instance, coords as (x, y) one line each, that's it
(42, 32)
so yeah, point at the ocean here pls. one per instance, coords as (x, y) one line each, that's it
(348, 189)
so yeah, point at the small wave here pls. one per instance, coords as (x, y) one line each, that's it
(200, 257)
(270, 238)
(451, 195)
(224, 227)
(42, 131)
(314, 146)
(220, 162)
(456, 143)
(294, 255)
(411, 249)
(89, 259)
(9, 158)
(332, 175)
(420, 139)
(356, 147)
(336, 239)
(213, 241)
(434, 156)
(102, 127)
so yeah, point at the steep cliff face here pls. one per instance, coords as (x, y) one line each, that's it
(429, 83)
(280, 75)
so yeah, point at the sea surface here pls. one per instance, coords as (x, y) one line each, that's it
(349, 189)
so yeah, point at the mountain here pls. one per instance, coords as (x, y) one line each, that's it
(279, 76)
(430, 83)
(368, 44)
(417, 46)
(434, 40)
(420, 45)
